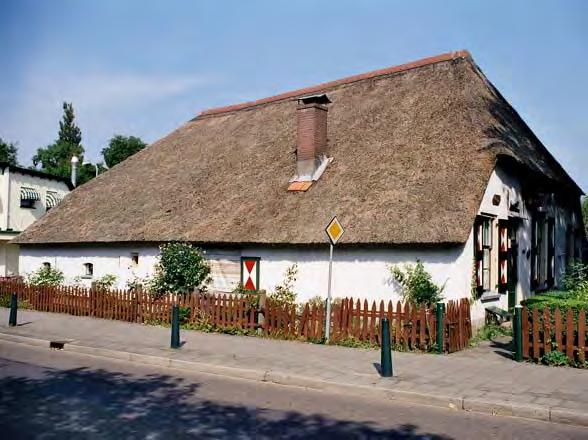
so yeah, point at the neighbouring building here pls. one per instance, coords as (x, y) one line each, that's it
(25, 195)
(424, 161)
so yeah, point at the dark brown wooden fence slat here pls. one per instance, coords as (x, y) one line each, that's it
(558, 330)
(570, 334)
(546, 330)
(535, 334)
(525, 330)
(582, 336)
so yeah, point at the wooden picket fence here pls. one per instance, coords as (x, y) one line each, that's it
(410, 327)
(238, 311)
(544, 332)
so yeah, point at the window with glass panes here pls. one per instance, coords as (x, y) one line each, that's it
(483, 253)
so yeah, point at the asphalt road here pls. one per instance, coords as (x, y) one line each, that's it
(54, 394)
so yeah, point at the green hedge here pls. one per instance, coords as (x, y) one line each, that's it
(563, 299)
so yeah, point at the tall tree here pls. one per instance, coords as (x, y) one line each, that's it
(56, 157)
(121, 147)
(8, 152)
(69, 132)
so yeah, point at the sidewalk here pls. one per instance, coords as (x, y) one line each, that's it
(479, 379)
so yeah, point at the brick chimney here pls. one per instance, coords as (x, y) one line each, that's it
(311, 141)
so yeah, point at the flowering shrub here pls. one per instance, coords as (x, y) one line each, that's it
(46, 276)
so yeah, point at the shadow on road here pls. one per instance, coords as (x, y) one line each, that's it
(89, 403)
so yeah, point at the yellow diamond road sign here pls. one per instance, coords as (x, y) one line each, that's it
(334, 230)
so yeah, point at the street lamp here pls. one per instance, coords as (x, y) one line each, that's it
(74, 166)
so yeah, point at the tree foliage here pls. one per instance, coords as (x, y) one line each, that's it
(283, 293)
(182, 268)
(56, 158)
(121, 147)
(69, 132)
(8, 152)
(417, 284)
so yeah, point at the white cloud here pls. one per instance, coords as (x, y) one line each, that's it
(104, 102)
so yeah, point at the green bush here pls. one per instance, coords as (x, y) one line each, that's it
(557, 299)
(576, 278)
(182, 269)
(574, 297)
(105, 282)
(46, 276)
(353, 342)
(283, 293)
(21, 303)
(417, 284)
(490, 332)
(556, 359)
(184, 314)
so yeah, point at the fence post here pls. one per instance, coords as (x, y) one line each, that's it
(175, 327)
(261, 313)
(386, 354)
(518, 333)
(440, 328)
(13, 309)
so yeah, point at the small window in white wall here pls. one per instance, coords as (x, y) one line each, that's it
(135, 258)
(88, 270)
(46, 265)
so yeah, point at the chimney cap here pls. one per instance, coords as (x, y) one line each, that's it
(321, 98)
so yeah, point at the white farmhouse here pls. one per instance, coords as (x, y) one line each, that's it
(25, 195)
(422, 161)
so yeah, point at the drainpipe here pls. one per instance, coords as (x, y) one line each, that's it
(6, 197)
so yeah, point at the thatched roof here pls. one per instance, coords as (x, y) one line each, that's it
(413, 149)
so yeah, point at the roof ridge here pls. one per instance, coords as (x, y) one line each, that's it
(347, 80)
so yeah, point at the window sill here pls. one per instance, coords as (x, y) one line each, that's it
(489, 296)
(86, 277)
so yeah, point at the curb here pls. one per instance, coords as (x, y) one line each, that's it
(492, 407)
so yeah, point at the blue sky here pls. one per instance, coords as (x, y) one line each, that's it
(143, 68)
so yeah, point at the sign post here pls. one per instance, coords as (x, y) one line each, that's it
(334, 231)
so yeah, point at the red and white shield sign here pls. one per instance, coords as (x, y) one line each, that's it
(250, 272)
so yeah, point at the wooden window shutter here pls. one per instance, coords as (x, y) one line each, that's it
(551, 251)
(534, 259)
(478, 254)
(503, 248)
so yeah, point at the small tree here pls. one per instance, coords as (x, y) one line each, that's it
(284, 292)
(121, 147)
(46, 276)
(8, 152)
(417, 284)
(182, 268)
(56, 157)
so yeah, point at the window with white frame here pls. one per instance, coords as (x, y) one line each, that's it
(483, 253)
(88, 270)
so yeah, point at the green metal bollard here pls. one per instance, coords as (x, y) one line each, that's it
(175, 327)
(386, 358)
(13, 310)
(518, 333)
(440, 329)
